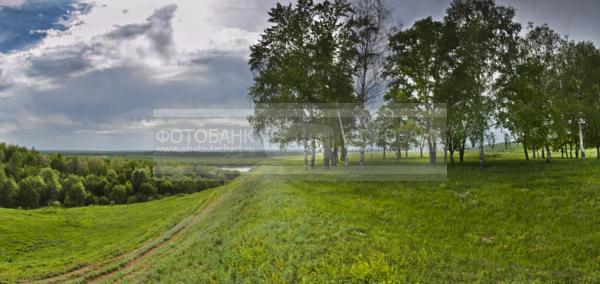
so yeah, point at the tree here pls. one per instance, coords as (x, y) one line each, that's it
(527, 91)
(304, 58)
(14, 167)
(579, 81)
(52, 186)
(370, 28)
(8, 192)
(58, 163)
(67, 183)
(75, 195)
(148, 189)
(415, 69)
(97, 185)
(484, 36)
(166, 187)
(119, 194)
(140, 176)
(28, 195)
(97, 166)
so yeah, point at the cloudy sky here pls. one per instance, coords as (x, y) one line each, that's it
(86, 75)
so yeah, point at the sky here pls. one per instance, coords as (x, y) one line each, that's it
(86, 75)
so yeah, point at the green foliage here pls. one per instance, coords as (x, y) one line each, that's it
(8, 192)
(119, 194)
(97, 185)
(166, 187)
(28, 195)
(148, 189)
(58, 163)
(97, 166)
(52, 186)
(75, 194)
(140, 176)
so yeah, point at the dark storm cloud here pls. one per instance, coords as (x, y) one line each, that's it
(157, 28)
(26, 24)
(105, 101)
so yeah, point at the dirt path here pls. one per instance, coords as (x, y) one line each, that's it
(105, 270)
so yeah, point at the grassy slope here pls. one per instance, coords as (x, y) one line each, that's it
(510, 221)
(48, 241)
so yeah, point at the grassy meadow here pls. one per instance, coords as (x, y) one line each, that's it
(44, 242)
(509, 222)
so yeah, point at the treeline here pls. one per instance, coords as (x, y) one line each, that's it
(29, 179)
(486, 69)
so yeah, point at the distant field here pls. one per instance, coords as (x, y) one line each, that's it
(43, 242)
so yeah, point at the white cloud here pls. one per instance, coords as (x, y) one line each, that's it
(94, 85)
(11, 3)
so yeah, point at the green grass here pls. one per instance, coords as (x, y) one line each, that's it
(511, 221)
(43, 242)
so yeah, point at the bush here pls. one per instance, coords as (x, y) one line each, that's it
(28, 195)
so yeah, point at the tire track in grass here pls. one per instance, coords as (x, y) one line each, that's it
(130, 266)
(104, 270)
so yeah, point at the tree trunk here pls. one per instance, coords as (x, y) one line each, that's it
(543, 153)
(384, 152)
(534, 151)
(305, 155)
(548, 154)
(570, 150)
(581, 147)
(421, 146)
(481, 152)
(526, 153)
(362, 156)
(597, 151)
(314, 154)
(326, 155)
(461, 151)
(334, 156)
(432, 147)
